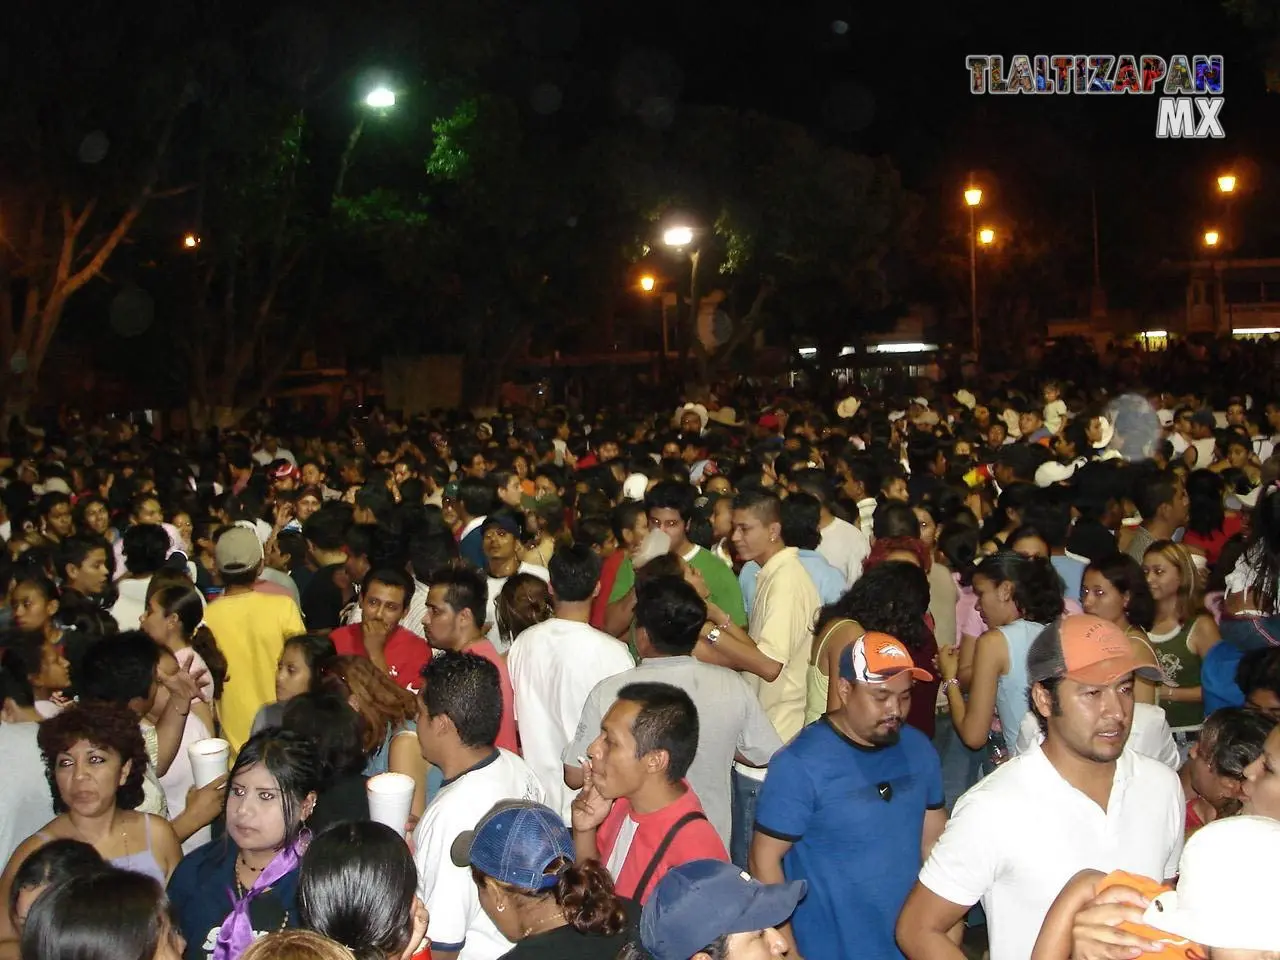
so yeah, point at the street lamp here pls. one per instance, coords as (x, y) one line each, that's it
(380, 98)
(986, 236)
(1211, 238)
(680, 237)
(647, 283)
(1226, 183)
(973, 197)
(191, 241)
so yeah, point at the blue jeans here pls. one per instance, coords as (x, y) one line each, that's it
(745, 794)
(961, 767)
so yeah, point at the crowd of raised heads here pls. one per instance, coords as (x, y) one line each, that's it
(957, 672)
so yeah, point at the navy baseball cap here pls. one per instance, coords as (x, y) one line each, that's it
(516, 843)
(702, 900)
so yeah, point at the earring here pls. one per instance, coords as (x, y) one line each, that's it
(500, 907)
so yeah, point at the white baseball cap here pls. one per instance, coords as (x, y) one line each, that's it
(635, 487)
(1225, 899)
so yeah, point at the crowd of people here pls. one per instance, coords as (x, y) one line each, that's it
(899, 677)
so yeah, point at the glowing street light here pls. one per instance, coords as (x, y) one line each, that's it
(1211, 238)
(678, 236)
(380, 98)
(973, 196)
(1226, 183)
(647, 283)
(986, 235)
(191, 241)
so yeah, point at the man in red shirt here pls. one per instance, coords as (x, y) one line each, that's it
(630, 526)
(455, 624)
(636, 813)
(384, 597)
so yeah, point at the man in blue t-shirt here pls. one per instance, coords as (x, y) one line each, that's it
(852, 806)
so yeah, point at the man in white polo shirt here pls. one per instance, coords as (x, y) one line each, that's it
(1079, 800)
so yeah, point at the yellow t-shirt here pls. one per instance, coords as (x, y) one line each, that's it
(250, 629)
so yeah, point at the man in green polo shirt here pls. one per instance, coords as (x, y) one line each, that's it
(670, 507)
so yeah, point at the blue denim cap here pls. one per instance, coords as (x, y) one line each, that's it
(700, 901)
(515, 843)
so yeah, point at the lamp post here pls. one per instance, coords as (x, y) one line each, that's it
(973, 197)
(1212, 238)
(381, 99)
(679, 238)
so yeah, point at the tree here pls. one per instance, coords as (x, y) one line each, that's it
(85, 156)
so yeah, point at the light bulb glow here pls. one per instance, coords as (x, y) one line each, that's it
(380, 98)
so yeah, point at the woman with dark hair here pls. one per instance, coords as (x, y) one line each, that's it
(1017, 597)
(33, 599)
(1209, 526)
(334, 730)
(103, 915)
(1007, 516)
(94, 516)
(38, 667)
(389, 722)
(50, 865)
(94, 760)
(1115, 590)
(299, 670)
(521, 857)
(1251, 605)
(358, 886)
(891, 597)
(525, 600)
(271, 795)
(175, 620)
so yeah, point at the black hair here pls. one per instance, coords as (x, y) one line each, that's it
(1125, 574)
(1154, 490)
(1037, 588)
(959, 545)
(392, 577)
(356, 886)
(593, 531)
(141, 499)
(50, 864)
(813, 482)
(107, 726)
(1050, 512)
(801, 514)
(668, 721)
(146, 545)
(891, 597)
(575, 573)
(74, 550)
(766, 505)
(1264, 545)
(21, 658)
(118, 669)
(1234, 737)
(1015, 497)
(477, 496)
(1259, 670)
(35, 577)
(671, 613)
(292, 761)
(184, 602)
(1205, 491)
(1050, 685)
(317, 649)
(327, 527)
(465, 589)
(375, 499)
(894, 518)
(624, 516)
(464, 687)
(334, 729)
(671, 495)
(107, 914)
(293, 545)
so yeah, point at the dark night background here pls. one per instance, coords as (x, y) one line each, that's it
(890, 84)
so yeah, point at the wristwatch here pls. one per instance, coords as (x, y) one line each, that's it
(713, 636)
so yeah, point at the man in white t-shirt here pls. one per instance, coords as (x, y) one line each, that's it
(500, 533)
(459, 713)
(1079, 800)
(555, 665)
(272, 451)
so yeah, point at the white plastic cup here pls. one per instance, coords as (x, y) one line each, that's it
(390, 799)
(208, 760)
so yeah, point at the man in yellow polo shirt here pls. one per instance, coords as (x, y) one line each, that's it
(250, 629)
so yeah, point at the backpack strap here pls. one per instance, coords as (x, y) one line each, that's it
(661, 852)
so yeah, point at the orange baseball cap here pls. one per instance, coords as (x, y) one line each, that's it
(878, 658)
(1088, 650)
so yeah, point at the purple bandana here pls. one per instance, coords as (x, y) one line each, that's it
(236, 933)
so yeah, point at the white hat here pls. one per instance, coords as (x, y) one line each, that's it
(1224, 898)
(920, 400)
(847, 407)
(1165, 416)
(726, 417)
(1108, 431)
(635, 487)
(697, 408)
(1010, 418)
(966, 399)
